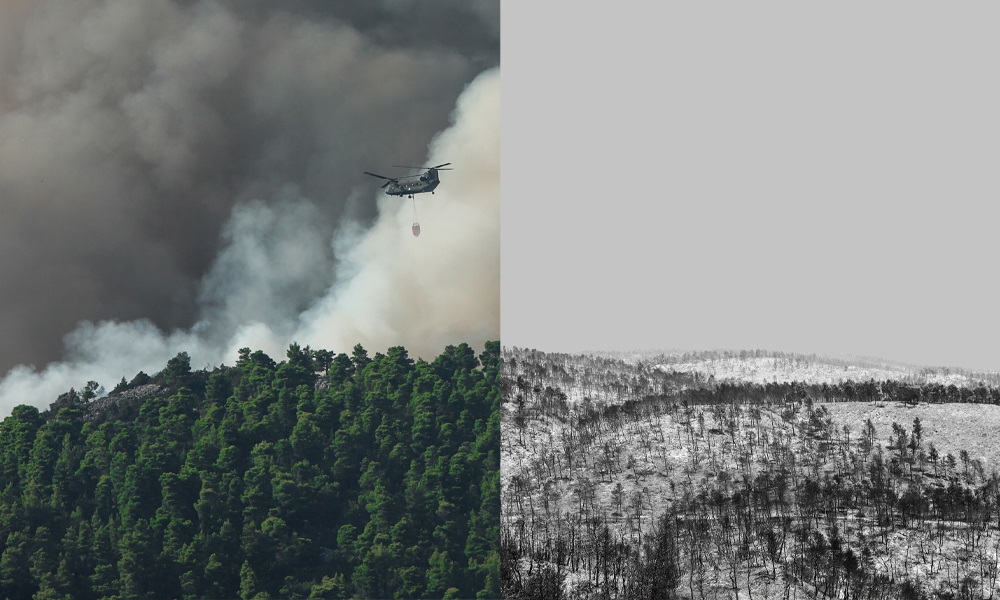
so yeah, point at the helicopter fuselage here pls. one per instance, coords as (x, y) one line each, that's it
(418, 185)
(410, 187)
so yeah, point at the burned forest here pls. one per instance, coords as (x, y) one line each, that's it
(630, 479)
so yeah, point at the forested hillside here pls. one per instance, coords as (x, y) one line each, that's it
(626, 481)
(321, 476)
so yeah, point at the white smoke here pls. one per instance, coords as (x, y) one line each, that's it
(272, 284)
(445, 284)
(130, 131)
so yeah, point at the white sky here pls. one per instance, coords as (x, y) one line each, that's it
(780, 175)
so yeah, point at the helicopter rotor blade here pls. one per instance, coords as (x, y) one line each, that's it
(425, 168)
(379, 176)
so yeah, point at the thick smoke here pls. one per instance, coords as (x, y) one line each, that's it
(187, 177)
(388, 288)
(129, 131)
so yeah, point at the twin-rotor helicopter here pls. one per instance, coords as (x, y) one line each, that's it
(408, 185)
(421, 182)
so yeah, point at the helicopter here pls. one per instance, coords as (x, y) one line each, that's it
(423, 182)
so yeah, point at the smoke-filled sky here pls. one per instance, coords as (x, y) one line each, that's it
(803, 177)
(187, 176)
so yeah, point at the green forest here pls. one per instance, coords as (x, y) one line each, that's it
(324, 475)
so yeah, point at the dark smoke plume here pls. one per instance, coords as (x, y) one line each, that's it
(187, 176)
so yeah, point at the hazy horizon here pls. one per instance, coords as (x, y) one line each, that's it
(819, 355)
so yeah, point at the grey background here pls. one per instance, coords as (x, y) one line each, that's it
(785, 176)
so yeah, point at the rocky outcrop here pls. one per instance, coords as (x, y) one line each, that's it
(119, 403)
